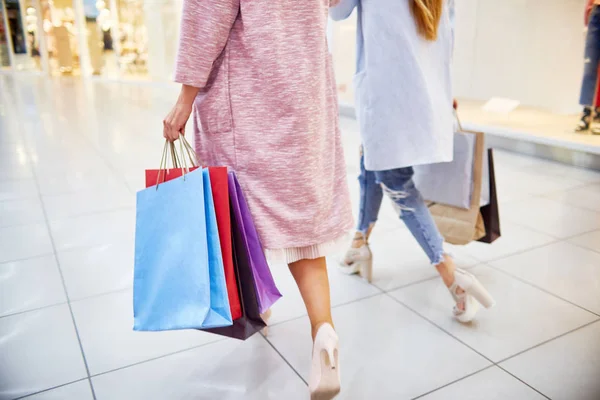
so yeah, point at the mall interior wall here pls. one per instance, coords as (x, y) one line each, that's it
(526, 50)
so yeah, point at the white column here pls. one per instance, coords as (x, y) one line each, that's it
(155, 37)
(82, 38)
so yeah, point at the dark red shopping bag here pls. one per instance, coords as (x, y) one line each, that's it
(220, 191)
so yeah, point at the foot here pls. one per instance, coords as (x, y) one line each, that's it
(467, 292)
(358, 260)
(324, 381)
(584, 123)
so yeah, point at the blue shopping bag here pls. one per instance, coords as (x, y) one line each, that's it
(179, 281)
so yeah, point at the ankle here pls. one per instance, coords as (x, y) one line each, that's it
(446, 270)
(359, 240)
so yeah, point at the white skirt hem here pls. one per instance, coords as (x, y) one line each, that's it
(293, 254)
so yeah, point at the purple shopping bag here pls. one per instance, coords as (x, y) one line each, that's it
(266, 291)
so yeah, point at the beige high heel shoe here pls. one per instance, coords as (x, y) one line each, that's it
(324, 381)
(473, 295)
(358, 260)
(265, 317)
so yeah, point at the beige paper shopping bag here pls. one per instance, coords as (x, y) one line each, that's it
(458, 225)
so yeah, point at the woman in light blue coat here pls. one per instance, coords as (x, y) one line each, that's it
(404, 109)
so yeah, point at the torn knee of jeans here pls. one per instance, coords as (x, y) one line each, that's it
(397, 196)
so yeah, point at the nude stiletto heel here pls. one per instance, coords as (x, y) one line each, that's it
(265, 317)
(324, 381)
(474, 294)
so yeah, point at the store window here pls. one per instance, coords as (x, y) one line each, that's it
(4, 43)
(22, 27)
(99, 36)
(515, 70)
(133, 39)
(60, 30)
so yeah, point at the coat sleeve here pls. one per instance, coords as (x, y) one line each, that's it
(205, 27)
(343, 9)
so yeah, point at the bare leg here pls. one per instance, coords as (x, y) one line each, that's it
(313, 282)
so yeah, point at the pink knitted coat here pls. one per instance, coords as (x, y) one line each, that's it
(268, 110)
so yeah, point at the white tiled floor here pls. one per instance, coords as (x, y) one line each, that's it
(72, 156)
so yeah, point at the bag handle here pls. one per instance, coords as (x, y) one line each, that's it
(177, 157)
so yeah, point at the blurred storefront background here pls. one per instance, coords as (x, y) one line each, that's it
(517, 65)
(115, 39)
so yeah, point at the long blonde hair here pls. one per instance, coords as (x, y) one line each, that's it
(427, 14)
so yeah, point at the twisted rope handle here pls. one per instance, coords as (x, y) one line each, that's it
(178, 158)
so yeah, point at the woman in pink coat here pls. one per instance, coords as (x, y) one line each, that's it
(258, 78)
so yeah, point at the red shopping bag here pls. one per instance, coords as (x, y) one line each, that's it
(158, 176)
(220, 191)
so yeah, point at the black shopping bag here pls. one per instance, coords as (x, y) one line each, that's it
(491, 213)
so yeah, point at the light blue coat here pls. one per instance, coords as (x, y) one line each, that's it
(402, 85)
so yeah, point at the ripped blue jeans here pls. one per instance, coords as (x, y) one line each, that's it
(398, 185)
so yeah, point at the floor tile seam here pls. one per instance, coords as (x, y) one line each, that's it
(332, 307)
(169, 354)
(557, 337)
(524, 382)
(570, 238)
(17, 260)
(114, 169)
(51, 388)
(522, 251)
(580, 207)
(417, 282)
(528, 227)
(543, 290)
(91, 213)
(22, 224)
(494, 363)
(583, 247)
(453, 382)
(64, 218)
(440, 328)
(285, 360)
(562, 203)
(32, 310)
(58, 265)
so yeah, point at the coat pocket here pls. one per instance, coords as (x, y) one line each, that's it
(214, 101)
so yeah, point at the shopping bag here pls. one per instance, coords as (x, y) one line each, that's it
(458, 225)
(220, 192)
(178, 280)
(266, 291)
(491, 213)
(219, 313)
(451, 183)
(250, 322)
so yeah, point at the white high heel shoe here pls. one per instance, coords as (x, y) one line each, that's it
(324, 381)
(358, 261)
(474, 294)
